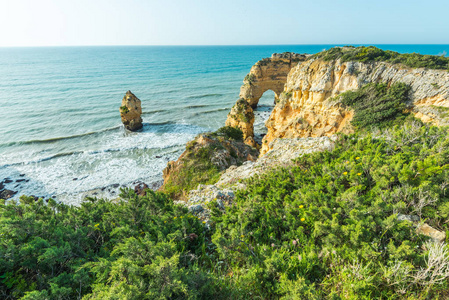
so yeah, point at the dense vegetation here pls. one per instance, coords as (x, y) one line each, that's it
(324, 229)
(377, 105)
(196, 164)
(371, 54)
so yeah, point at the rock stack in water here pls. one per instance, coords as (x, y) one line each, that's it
(130, 112)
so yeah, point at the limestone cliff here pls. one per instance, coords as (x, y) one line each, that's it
(130, 112)
(267, 74)
(306, 91)
(309, 106)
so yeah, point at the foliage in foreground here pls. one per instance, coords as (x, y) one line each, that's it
(328, 228)
(371, 54)
(324, 229)
(136, 248)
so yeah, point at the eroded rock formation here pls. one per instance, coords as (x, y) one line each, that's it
(310, 106)
(267, 74)
(130, 112)
(204, 150)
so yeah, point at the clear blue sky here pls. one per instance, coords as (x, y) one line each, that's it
(222, 22)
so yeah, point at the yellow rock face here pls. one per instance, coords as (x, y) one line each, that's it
(310, 106)
(266, 74)
(130, 112)
(307, 95)
(307, 107)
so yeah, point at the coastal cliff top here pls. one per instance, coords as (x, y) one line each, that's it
(372, 54)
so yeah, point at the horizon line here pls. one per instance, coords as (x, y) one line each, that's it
(215, 45)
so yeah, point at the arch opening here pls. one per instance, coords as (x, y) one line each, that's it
(262, 112)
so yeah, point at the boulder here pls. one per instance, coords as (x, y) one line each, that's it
(140, 189)
(436, 235)
(130, 112)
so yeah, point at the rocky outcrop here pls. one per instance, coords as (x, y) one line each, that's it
(204, 158)
(281, 154)
(267, 74)
(130, 112)
(309, 106)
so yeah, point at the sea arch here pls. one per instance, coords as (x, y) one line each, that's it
(266, 74)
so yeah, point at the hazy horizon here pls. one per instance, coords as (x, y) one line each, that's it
(50, 23)
(227, 45)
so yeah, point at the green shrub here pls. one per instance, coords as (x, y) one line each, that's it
(249, 78)
(376, 105)
(242, 111)
(57, 251)
(124, 109)
(230, 133)
(372, 54)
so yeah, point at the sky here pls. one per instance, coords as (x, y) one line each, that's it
(222, 22)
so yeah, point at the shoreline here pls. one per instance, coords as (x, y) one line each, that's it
(111, 191)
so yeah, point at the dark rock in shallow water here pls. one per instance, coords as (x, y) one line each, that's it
(75, 179)
(7, 180)
(6, 194)
(116, 185)
(2, 186)
(140, 189)
(21, 175)
(158, 156)
(20, 180)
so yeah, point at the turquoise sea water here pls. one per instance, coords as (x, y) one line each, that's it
(61, 133)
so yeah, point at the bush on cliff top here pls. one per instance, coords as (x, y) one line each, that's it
(324, 229)
(371, 54)
(230, 133)
(376, 105)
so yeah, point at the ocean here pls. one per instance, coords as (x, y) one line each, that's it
(61, 133)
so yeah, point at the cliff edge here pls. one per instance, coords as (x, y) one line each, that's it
(309, 104)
